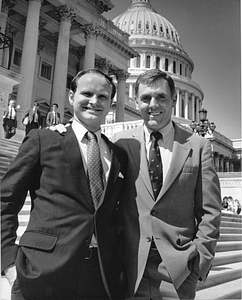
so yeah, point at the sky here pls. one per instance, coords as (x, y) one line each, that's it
(210, 32)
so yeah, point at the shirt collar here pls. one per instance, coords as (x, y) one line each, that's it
(81, 130)
(165, 131)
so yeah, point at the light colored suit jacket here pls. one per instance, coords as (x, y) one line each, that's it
(184, 220)
(50, 120)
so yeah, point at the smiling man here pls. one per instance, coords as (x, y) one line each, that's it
(172, 205)
(75, 180)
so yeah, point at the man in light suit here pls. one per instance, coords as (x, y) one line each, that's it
(169, 240)
(68, 250)
(53, 117)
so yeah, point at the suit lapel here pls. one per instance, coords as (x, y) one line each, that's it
(71, 150)
(138, 152)
(180, 152)
(114, 169)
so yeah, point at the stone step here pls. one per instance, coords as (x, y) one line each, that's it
(222, 274)
(230, 230)
(227, 257)
(228, 246)
(230, 237)
(231, 224)
(232, 218)
(227, 290)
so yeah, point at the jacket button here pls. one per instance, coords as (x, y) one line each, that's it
(149, 239)
(153, 212)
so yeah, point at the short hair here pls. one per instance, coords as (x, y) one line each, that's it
(55, 104)
(109, 80)
(151, 76)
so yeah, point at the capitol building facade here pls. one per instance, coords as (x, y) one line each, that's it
(44, 43)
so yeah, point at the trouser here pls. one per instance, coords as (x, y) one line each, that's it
(152, 287)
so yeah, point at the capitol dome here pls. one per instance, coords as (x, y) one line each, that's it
(159, 46)
(142, 20)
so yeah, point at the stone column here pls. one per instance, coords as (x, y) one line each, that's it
(177, 102)
(198, 108)
(91, 32)
(186, 105)
(131, 90)
(193, 107)
(27, 69)
(216, 161)
(66, 16)
(221, 163)
(121, 77)
(80, 55)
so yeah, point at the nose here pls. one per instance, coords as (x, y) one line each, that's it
(153, 102)
(93, 99)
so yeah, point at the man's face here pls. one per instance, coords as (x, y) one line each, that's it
(54, 107)
(91, 101)
(12, 103)
(155, 104)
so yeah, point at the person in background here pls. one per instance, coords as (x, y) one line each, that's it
(76, 183)
(33, 118)
(53, 117)
(225, 203)
(171, 211)
(10, 120)
(238, 206)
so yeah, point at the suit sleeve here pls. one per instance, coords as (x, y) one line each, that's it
(15, 185)
(207, 212)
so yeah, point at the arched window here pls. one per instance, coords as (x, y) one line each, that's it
(147, 61)
(157, 62)
(138, 62)
(174, 67)
(180, 69)
(166, 64)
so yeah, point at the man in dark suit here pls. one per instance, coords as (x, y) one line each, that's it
(33, 115)
(53, 117)
(172, 205)
(68, 250)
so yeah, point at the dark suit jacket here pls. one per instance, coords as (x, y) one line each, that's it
(62, 219)
(50, 118)
(184, 220)
(30, 114)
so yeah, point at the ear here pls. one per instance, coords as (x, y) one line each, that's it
(174, 101)
(71, 97)
(136, 103)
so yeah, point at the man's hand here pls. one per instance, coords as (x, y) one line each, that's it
(11, 274)
(60, 128)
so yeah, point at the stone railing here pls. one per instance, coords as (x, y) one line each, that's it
(110, 129)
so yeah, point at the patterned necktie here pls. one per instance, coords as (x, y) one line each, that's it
(155, 163)
(94, 168)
